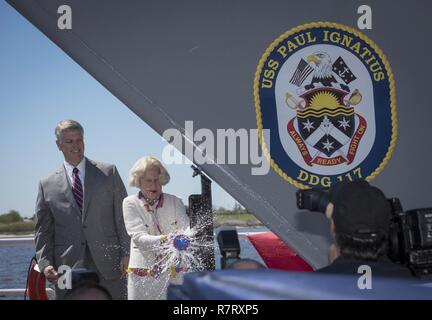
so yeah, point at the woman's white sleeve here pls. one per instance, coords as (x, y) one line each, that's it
(136, 229)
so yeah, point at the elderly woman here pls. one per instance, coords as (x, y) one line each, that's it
(151, 216)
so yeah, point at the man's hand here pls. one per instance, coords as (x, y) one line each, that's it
(51, 274)
(124, 264)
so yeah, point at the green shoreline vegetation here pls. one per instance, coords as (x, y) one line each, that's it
(12, 223)
(238, 216)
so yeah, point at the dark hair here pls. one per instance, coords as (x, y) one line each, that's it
(85, 290)
(245, 264)
(362, 248)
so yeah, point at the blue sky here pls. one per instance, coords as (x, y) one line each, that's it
(40, 85)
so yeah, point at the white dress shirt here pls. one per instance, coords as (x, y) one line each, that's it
(69, 172)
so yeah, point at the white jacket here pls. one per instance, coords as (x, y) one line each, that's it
(145, 236)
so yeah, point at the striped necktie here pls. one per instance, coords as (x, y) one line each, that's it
(77, 188)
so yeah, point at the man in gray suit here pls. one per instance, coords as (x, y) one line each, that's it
(79, 218)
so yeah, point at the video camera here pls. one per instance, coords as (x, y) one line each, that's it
(410, 236)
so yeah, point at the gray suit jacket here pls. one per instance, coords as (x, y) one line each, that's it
(62, 231)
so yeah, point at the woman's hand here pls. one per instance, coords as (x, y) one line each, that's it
(124, 264)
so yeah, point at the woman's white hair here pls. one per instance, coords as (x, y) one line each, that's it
(142, 165)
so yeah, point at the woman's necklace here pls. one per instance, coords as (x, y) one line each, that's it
(150, 201)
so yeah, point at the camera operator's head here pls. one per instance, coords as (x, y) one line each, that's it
(86, 286)
(246, 264)
(360, 219)
(88, 291)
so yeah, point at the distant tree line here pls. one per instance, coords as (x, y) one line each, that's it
(12, 223)
(10, 217)
(14, 216)
(236, 210)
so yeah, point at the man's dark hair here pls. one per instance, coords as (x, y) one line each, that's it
(88, 291)
(361, 217)
(362, 248)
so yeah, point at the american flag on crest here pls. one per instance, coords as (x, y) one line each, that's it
(302, 72)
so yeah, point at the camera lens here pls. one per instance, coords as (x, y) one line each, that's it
(313, 200)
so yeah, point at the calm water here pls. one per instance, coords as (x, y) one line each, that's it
(14, 262)
(15, 259)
